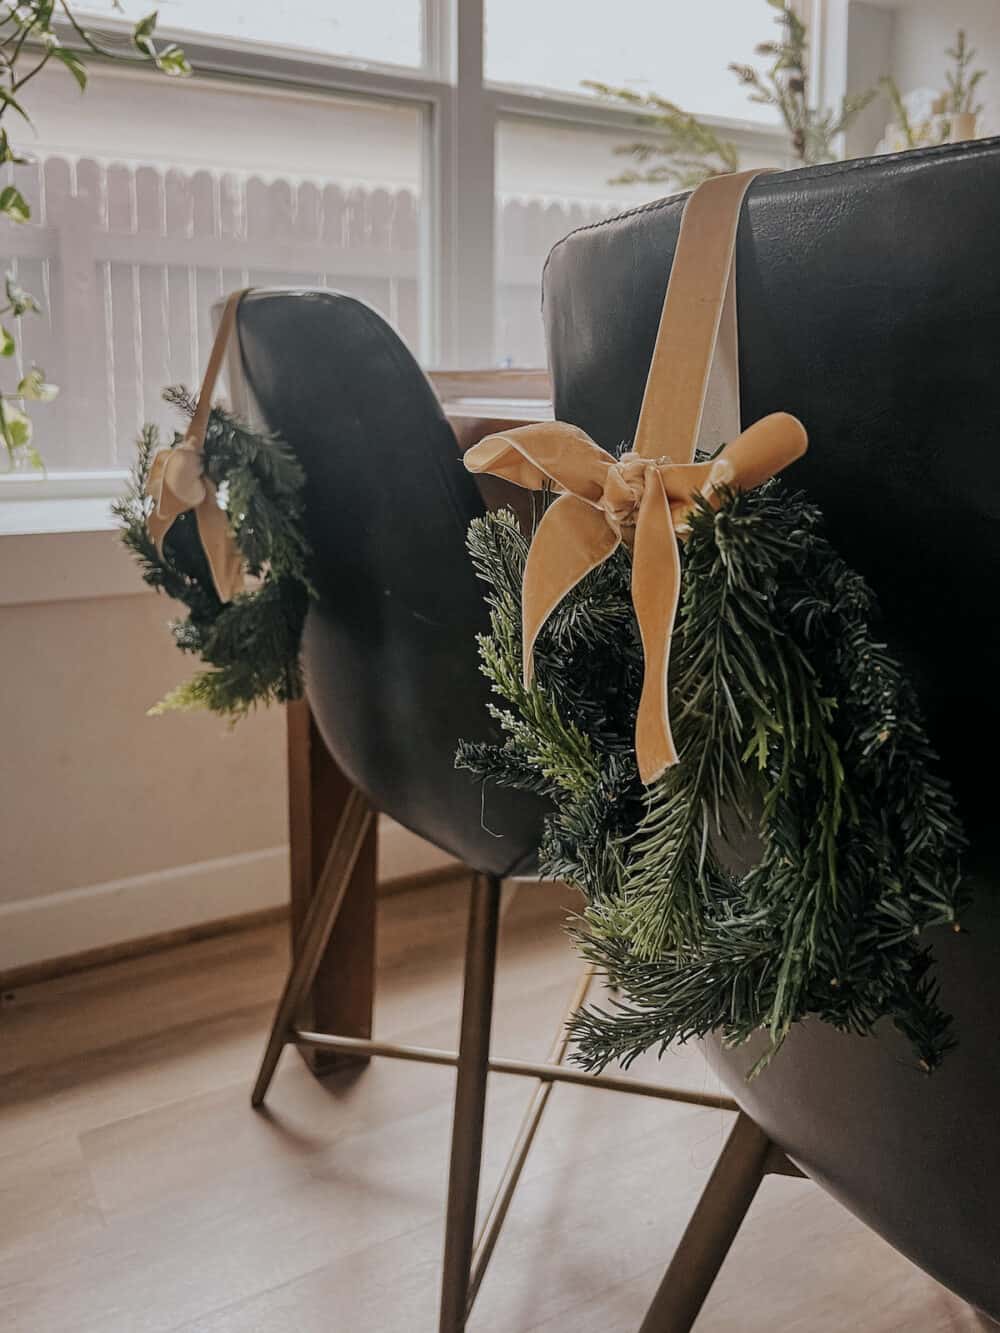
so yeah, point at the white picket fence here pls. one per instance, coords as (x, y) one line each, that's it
(127, 259)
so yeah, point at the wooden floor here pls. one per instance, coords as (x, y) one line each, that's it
(140, 1194)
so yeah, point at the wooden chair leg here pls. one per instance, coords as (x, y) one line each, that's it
(711, 1230)
(341, 996)
(470, 1101)
(355, 822)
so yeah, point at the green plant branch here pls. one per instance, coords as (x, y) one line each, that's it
(796, 728)
(29, 28)
(694, 151)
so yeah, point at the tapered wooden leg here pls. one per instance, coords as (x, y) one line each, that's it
(470, 1101)
(340, 997)
(334, 882)
(711, 1231)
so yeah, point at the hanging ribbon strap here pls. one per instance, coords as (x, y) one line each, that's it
(644, 498)
(177, 481)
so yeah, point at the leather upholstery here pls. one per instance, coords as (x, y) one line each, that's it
(869, 306)
(389, 649)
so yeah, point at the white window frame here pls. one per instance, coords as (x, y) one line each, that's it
(461, 111)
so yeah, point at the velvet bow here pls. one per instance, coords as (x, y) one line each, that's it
(641, 502)
(177, 483)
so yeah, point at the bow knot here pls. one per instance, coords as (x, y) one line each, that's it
(624, 487)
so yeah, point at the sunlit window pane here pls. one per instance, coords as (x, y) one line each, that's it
(153, 198)
(551, 178)
(676, 48)
(387, 31)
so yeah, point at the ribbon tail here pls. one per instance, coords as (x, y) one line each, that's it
(753, 457)
(224, 559)
(656, 582)
(764, 449)
(572, 539)
(157, 525)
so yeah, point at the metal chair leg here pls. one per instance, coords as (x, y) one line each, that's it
(711, 1230)
(497, 1212)
(470, 1101)
(317, 927)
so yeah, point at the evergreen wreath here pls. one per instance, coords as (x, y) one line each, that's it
(785, 704)
(251, 644)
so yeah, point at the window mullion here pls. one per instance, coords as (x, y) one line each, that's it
(466, 199)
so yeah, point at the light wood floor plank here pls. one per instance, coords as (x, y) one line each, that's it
(140, 1194)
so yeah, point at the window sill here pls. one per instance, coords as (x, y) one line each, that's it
(29, 518)
(58, 540)
(60, 502)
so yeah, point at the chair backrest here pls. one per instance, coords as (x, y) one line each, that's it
(389, 650)
(869, 306)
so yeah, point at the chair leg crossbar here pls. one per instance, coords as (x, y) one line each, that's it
(747, 1156)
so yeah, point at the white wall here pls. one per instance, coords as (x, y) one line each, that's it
(114, 825)
(869, 56)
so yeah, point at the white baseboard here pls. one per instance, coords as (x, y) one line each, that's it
(97, 915)
(59, 925)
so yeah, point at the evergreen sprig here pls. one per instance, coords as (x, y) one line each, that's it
(251, 644)
(962, 81)
(801, 741)
(691, 151)
(785, 86)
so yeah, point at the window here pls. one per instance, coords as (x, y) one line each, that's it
(671, 47)
(387, 31)
(336, 144)
(157, 201)
(551, 178)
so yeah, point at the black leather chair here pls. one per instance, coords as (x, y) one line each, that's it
(869, 306)
(393, 680)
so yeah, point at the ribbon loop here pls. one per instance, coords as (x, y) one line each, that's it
(177, 482)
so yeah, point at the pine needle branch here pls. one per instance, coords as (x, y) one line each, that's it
(799, 735)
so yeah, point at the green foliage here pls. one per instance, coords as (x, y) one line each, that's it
(33, 33)
(933, 123)
(800, 740)
(913, 133)
(962, 82)
(785, 85)
(14, 205)
(250, 644)
(692, 151)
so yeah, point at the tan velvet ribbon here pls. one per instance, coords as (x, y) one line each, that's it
(177, 481)
(644, 498)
